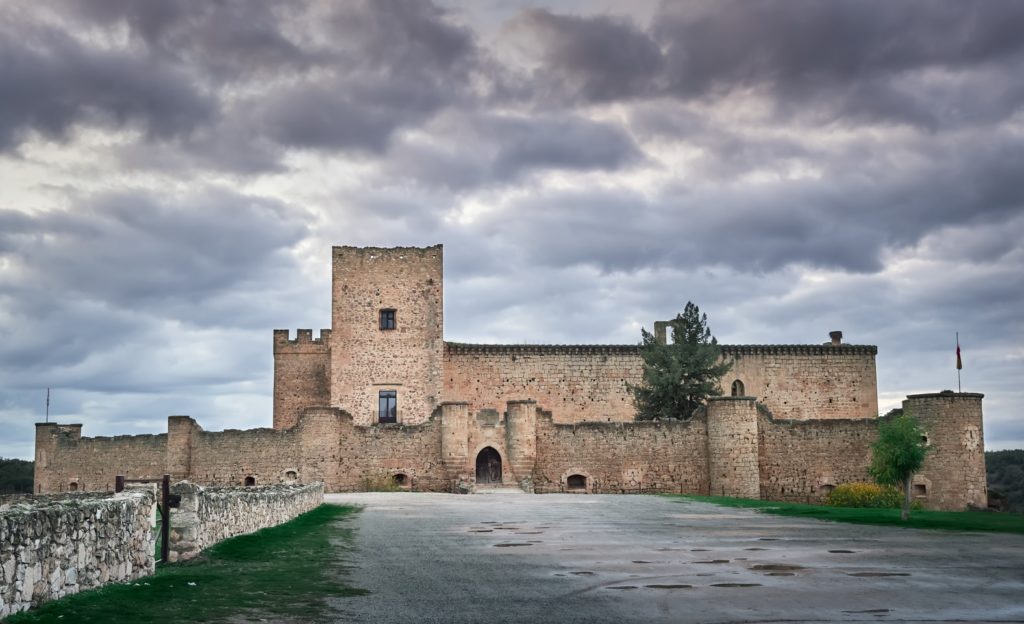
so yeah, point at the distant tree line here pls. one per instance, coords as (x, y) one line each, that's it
(1006, 476)
(16, 476)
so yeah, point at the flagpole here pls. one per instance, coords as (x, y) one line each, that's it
(958, 364)
(47, 405)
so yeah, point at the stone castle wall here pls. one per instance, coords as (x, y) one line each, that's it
(807, 382)
(576, 383)
(53, 548)
(615, 457)
(65, 461)
(802, 460)
(733, 448)
(580, 383)
(206, 516)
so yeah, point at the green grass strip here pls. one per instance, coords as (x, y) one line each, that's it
(946, 520)
(278, 573)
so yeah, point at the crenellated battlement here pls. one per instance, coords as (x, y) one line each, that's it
(303, 341)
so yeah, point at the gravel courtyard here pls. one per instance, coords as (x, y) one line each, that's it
(506, 556)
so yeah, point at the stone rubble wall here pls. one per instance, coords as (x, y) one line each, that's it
(57, 546)
(206, 516)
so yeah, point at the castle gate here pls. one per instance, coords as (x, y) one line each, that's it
(488, 466)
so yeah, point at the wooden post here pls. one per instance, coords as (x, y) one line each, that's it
(165, 525)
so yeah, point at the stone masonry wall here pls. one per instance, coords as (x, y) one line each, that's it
(807, 382)
(54, 548)
(302, 374)
(209, 515)
(575, 383)
(589, 382)
(65, 461)
(800, 460)
(366, 359)
(650, 456)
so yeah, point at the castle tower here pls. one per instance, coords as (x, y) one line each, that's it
(301, 374)
(953, 475)
(387, 343)
(732, 447)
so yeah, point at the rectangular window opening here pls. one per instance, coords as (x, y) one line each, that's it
(387, 319)
(387, 406)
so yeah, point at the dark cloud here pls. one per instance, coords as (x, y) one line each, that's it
(925, 64)
(50, 82)
(502, 149)
(593, 58)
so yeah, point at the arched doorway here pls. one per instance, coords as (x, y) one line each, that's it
(488, 466)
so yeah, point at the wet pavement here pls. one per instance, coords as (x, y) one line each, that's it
(512, 557)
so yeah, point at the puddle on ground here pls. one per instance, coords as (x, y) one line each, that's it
(869, 611)
(755, 548)
(767, 539)
(529, 532)
(583, 573)
(699, 549)
(660, 586)
(780, 574)
(736, 585)
(874, 574)
(843, 552)
(505, 528)
(490, 522)
(775, 567)
(621, 587)
(481, 530)
(713, 561)
(668, 549)
(642, 561)
(511, 544)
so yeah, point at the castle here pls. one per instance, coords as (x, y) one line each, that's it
(381, 397)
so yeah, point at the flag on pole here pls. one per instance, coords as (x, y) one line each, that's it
(959, 362)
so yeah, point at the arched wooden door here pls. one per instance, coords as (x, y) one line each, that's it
(488, 466)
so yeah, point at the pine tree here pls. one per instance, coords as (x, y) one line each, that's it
(680, 375)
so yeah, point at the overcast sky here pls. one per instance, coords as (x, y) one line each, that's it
(173, 174)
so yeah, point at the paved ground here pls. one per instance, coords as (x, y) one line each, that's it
(510, 557)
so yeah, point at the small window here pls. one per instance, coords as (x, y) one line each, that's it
(387, 406)
(826, 489)
(250, 481)
(291, 475)
(73, 486)
(737, 388)
(401, 480)
(920, 489)
(387, 319)
(576, 482)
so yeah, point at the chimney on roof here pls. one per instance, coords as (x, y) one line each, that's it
(837, 338)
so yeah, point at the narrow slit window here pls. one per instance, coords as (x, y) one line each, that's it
(387, 410)
(387, 319)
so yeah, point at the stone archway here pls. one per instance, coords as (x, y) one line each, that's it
(488, 466)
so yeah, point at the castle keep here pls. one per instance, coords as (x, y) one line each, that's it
(382, 397)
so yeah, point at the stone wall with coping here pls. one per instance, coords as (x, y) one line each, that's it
(650, 456)
(207, 515)
(52, 547)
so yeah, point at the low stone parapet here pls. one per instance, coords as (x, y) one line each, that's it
(207, 515)
(52, 547)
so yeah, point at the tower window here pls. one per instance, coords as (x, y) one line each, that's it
(737, 388)
(387, 319)
(387, 411)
